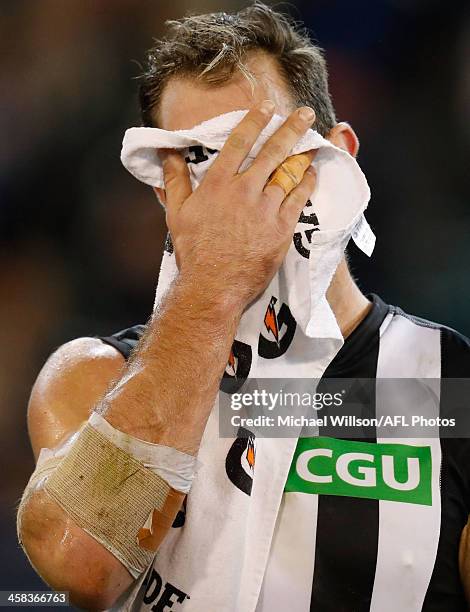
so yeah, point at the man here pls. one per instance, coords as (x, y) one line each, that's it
(354, 552)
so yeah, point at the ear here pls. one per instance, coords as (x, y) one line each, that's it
(161, 195)
(344, 137)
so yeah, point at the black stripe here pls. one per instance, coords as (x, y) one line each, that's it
(445, 590)
(348, 527)
(126, 340)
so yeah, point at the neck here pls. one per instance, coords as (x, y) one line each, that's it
(346, 300)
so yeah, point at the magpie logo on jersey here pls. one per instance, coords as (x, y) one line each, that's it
(394, 472)
(162, 596)
(238, 367)
(303, 238)
(280, 329)
(240, 460)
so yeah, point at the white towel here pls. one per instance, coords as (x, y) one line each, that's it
(333, 215)
(218, 558)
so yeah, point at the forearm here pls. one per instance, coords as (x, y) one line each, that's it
(165, 396)
(170, 385)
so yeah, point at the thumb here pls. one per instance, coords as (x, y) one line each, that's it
(176, 176)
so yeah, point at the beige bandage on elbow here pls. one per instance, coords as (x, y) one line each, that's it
(114, 497)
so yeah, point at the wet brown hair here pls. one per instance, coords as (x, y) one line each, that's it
(212, 47)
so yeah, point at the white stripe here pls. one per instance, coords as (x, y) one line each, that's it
(287, 583)
(385, 323)
(408, 533)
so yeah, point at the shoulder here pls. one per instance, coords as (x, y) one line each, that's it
(89, 359)
(71, 382)
(82, 357)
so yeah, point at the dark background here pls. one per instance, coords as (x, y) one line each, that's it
(81, 239)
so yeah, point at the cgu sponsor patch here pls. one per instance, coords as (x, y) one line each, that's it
(394, 472)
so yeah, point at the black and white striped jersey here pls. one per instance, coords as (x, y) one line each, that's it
(335, 550)
(352, 553)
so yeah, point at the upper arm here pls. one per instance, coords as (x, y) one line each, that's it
(69, 386)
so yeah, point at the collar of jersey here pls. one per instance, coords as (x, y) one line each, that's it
(349, 361)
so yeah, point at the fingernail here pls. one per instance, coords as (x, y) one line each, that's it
(267, 107)
(307, 114)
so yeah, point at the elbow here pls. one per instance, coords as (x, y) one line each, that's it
(94, 600)
(67, 558)
(92, 594)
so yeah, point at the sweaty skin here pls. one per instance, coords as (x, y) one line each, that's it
(163, 395)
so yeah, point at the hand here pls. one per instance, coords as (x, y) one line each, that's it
(234, 231)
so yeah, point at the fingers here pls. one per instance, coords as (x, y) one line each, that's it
(242, 138)
(278, 147)
(296, 200)
(274, 190)
(176, 175)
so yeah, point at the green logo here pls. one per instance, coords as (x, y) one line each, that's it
(395, 472)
